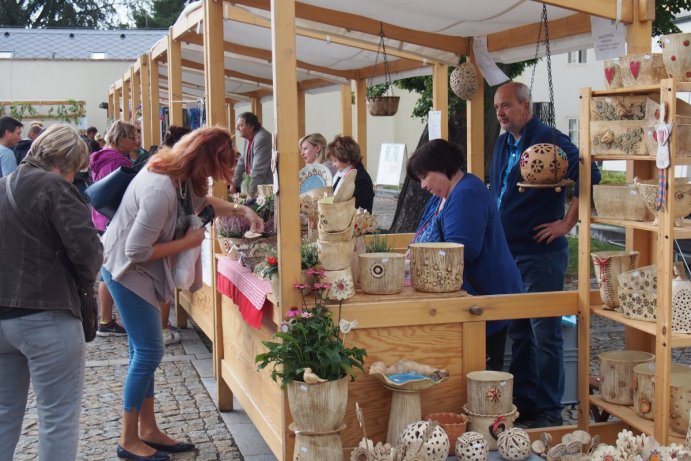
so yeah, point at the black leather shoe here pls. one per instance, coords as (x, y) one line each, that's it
(158, 456)
(178, 447)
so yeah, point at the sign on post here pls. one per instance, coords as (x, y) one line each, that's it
(391, 159)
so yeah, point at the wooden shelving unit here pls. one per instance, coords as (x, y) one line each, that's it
(655, 241)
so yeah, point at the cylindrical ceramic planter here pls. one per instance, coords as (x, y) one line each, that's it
(676, 54)
(381, 273)
(616, 374)
(334, 256)
(335, 217)
(490, 392)
(318, 408)
(436, 267)
(608, 266)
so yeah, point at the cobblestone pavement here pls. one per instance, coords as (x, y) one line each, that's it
(184, 408)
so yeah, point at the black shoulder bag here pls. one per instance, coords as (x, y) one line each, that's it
(87, 294)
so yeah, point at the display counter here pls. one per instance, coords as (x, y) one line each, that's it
(443, 330)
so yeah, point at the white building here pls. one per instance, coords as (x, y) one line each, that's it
(68, 64)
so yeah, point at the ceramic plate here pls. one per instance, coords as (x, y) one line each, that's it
(314, 176)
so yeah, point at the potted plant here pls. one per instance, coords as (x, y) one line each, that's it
(381, 271)
(230, 231)
(310, 358)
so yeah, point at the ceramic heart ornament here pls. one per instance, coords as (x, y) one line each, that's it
(641, 69)
(612, 74)
(635, 66)
(609, 74)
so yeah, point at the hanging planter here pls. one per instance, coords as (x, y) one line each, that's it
(383, 105)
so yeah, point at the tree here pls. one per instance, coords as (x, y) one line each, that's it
(157, 13)
(665, 13)
(49, 13)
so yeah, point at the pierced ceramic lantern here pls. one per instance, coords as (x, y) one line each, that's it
(463, 81)
(543, 164)
(437, 444)
(471, 446)
(514, 444)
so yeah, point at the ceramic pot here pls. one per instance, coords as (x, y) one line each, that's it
(676, 54)
(436, 267)
(335, 216)
(454, 424)
(514, 444)
(641, 69)
(490, 426)
(543, 164)
(680, 402)
(616, 374)
(471, 446)
(334, 256)
(318, 408)
(342, 284)
(436, 447)
(463, 81)
(381, 273)
(608, 266)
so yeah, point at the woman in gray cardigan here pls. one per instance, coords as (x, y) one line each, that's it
(149, 229)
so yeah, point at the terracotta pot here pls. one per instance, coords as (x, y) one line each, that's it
(676, 54)
(454, 424)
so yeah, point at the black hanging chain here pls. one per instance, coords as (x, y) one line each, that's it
(544, 24)
(385, 60)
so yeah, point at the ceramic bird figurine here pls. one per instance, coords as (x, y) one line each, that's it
(310, 377)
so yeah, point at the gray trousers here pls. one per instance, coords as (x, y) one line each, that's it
(47, 348)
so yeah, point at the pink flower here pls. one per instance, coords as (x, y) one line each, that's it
(305, 315)
(326, 285)
(312, 271)
(299, 286)
(317, 286)
(293, 312)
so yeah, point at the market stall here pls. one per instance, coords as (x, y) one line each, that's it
(243, 50)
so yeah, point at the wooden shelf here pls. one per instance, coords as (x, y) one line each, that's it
(678, 339)
(632, 90)
(679, 232)
(629, 416)
(605, 157)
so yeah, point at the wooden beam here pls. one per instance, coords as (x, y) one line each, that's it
(256, 107)
(236, 14)
(398, 65)
(346, 110)
(578, 23)
(228, 73)
(155, 94)
(361, 116)
(145, 90)
(159, 51)
(602, 8)
(639, 32)
(264, 54)
(174, 80)
(475, 116)
(216, 116)
(301, 112)
(126, 96)
(440, 95)
(111, 103)
(117, 104)
(285, 101)
(306, 85)
(185, 23)
(230, 116)
(354, 22)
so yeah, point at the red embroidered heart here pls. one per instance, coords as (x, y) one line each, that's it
(686, 43)
(609, 74)
(688, 75)
(673, 58)
(635, 67)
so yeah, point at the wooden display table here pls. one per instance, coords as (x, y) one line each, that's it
(430, 328)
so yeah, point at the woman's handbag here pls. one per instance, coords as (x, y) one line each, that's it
(106, 194)
(87, 294)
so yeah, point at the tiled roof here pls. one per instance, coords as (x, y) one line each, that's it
(77, 43)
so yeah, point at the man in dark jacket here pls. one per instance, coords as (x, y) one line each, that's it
(23, 146)
(535, 225)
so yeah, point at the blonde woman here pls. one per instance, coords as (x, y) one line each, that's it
(313, 150)
(41, 335)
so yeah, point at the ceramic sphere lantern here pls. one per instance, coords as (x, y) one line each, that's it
(543, 163)
(436, 446)
(513, 444)
(463, 81)
(472, 446)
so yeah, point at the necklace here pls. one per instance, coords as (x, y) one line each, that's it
(182, 191)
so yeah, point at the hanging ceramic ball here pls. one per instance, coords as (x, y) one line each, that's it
(513, 444)
(543, 164)
(463, 81)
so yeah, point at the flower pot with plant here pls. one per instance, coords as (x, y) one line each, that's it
(230, 231)
(381, 271)
(310, 358)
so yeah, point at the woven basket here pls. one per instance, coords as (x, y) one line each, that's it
(620, 201)
(641, 69)
(612, 74)
(682, 196)
(382, 106)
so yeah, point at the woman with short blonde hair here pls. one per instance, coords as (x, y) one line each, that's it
(313, 150)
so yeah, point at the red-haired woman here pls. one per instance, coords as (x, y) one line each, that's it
(149, 229)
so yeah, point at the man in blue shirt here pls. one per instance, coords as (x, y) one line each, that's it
(535, 225)
(10, 135)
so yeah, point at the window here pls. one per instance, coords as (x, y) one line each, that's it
(4, 54)
(578, 57)
(573, 130)
(98, 55)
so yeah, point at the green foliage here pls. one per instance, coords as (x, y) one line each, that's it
(665, 12)
(309, 338)
(613, 177)
(159, 14)
(378, 244)
(595, 245)
(48, 13)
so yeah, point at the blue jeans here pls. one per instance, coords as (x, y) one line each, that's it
(145, 340)
(537, 361)
(48, 349)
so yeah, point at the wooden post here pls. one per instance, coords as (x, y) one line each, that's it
(346, 110)
(111, 103)
(174, 80)
(230, 116)
(117, 115)
(361, 116)
(135, 91)
(214, 79)
(126, 96)
(146, 100)
(301, 113)
(256, 107)
(155, 96)
(440, 95)
(475, 115)
(285, 100)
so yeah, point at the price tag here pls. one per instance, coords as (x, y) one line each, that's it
(442, 253)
